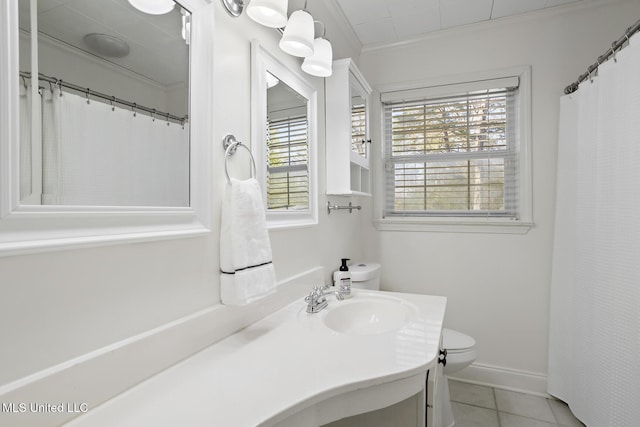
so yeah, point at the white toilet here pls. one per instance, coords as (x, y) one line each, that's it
(461, 348)
(365, 275)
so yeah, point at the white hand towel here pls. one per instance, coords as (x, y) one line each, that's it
(247, 272)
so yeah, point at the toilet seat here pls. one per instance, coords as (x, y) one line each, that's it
(456, 342)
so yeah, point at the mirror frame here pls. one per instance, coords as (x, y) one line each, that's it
(261, 62)
(36, 228)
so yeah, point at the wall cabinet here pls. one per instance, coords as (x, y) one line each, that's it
(348, 105)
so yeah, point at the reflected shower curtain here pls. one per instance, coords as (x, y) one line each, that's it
(594, 334)
(25, 141)
(97, 155)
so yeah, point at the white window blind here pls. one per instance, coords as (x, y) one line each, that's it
(288, 160)
(452, 155)
(358, 129)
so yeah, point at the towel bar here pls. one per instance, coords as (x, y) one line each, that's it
(336, 207)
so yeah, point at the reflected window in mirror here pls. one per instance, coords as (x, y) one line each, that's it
(106, 121)
(358, 125)
(284, 144)
(287, 147)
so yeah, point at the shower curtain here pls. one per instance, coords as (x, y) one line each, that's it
(99, 155)
(594, 343)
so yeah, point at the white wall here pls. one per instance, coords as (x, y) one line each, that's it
(497, 284)
(60, 305)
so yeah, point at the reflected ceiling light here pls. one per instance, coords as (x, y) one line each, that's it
(319, 64)
(186, 26)
(271, 80)
(153, 7)
(270, 13)
(297, 39)
(106, 45)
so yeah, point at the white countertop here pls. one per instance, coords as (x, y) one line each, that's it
(286, 362)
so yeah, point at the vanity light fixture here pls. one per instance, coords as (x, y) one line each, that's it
(319, 64)
(297, 39)
(153, 7)
(270, 13)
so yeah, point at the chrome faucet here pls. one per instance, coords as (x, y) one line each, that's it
(317, 298)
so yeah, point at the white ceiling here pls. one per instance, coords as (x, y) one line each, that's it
(387, 21)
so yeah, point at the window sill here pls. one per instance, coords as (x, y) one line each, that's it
(290, 220)
(454, 225)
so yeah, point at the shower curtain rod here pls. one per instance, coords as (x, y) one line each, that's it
(594, 67)
(112, 99)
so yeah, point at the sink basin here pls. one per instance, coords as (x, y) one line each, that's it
(368, 315)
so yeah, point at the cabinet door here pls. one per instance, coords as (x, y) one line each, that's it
(437, 390)
(360, 140)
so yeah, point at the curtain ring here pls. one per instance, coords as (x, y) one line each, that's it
(88, 94)
(60, 87)
(24, 82)
(153, 115)
(113, 103)
(168, 119)
(613, 52)
(134, 109)
(51, 88)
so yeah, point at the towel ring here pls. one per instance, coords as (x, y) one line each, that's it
(231, 144)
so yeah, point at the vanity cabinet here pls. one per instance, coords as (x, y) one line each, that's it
(348, 105)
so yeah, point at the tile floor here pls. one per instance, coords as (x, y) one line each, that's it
(480, 406)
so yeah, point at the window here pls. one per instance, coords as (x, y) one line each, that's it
(288, 172)
(453, 152)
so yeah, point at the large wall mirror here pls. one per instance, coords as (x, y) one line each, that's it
(104, 135)
(105, 122)
(284, 139)
(287, 147)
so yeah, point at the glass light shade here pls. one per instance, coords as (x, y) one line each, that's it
(319, 64)
(270, 13)
(297, 39)
(153, 7)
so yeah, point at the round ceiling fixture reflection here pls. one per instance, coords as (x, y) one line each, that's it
(106, 45)
(153, 7)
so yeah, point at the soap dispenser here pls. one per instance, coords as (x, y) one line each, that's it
(342, 278)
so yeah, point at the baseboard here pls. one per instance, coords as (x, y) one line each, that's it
(81, 384)
(504, 378)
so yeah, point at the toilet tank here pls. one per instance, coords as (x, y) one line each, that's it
(365, 275)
